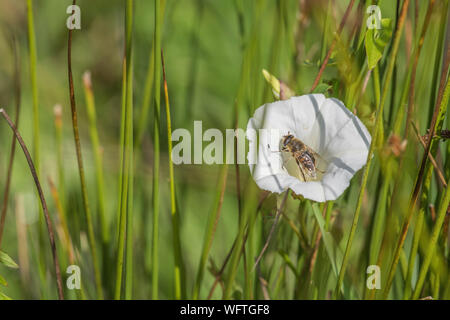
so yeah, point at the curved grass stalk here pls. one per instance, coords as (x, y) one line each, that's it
(43, 203)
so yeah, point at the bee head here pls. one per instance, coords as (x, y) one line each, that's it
(287, 139)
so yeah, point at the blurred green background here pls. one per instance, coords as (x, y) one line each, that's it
(214, 53)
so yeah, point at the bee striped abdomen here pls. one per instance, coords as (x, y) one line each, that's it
(308, 161)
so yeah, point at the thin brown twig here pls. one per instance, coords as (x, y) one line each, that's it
(221, 271)
(432, 129)
(314, 254)
(432, 212)
(43, 202)
(264, 285)
(333, 44)
(227, 258)
(272, 230)
(433, 161)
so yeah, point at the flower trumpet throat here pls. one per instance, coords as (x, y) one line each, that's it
(311, 145)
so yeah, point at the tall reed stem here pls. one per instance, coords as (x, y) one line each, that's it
(157, 82)
(34, 90)
(89, 222)
(179, 267)
(97, 151)
(126, 173)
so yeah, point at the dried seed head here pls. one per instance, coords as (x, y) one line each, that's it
(396, 145)
(445, 134)
(57, 111)
(87, 80)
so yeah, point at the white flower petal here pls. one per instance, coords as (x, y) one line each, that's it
(326, 126)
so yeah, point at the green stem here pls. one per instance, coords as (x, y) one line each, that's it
(97, 151)
(156, 147)
(34, 90)
(148, 90)
(179, 269)
(126, 174)
(89, 222)
(130, 196)
(36, 130)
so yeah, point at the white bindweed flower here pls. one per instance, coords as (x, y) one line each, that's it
(338, 140)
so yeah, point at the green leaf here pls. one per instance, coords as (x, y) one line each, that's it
(277, 86)
(288, 262)
(322, 88)
(7, 261)
(376, 41)
(331, 248)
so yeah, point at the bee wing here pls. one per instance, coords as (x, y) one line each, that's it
(317, 156)
(300, 165)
